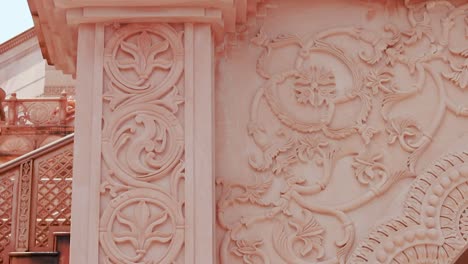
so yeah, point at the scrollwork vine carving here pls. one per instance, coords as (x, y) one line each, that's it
(305, 132)
(142, 220)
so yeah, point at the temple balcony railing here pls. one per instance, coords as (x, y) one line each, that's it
(27, 124)
(55, 112)
(35, 200)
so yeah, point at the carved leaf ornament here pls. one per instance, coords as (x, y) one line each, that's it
(280, 217)
(142, 220)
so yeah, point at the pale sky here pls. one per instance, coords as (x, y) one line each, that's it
(14, 18)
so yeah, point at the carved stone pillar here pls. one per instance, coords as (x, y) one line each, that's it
(144, 143)
(144, 89)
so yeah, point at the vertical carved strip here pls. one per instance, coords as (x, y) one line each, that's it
(142, 219)
(24, 206)
(7, 190)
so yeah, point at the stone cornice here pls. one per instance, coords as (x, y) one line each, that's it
(17, 40)
(57, 21)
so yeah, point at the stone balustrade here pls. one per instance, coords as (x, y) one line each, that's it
(38, 112)
(35, 199)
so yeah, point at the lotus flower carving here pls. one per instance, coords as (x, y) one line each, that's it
(142, 229)
(145, 56)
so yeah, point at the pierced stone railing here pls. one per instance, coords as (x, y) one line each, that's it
(38, 112)
(27, 124)
(35, 199)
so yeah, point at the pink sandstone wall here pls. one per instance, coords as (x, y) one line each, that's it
(326, 112)
(340, 129)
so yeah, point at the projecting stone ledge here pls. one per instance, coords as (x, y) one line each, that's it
(57, 21)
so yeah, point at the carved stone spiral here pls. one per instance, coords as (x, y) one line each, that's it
(142, 143)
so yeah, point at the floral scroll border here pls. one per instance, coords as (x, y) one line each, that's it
(142, 145)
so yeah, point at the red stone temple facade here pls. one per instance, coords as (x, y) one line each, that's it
(249, 131)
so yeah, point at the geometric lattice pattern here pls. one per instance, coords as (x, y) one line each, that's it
(53, 195)
(6, 201)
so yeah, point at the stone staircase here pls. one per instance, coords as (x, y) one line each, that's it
(35, 205)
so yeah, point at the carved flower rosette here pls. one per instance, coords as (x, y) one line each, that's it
(304, 98)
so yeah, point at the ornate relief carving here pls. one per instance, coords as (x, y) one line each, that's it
(24, 206)
(459, 73)
(145, 143)
(142, 219)
(143, 61)
(146, 218)
(6, 211)
(299, 138)
(432, 228)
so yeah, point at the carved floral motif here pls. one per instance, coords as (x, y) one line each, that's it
(304, 101)
(142, 218)
(368, 167)
(145, 142)
(140, 215)
(145, 56)
(459, 73)
(307, 231)
(144, 62)
(406, 131)
(315, 86)
(248, 250)
(379, 81)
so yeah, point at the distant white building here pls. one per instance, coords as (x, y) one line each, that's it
(24, 71)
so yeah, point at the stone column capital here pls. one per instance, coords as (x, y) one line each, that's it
(56, 21)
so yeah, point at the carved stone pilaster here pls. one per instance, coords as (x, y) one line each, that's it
(142, 218)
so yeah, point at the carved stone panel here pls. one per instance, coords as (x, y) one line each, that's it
(341, 132)
(7, 190)
(142, 204)
(53, 174)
